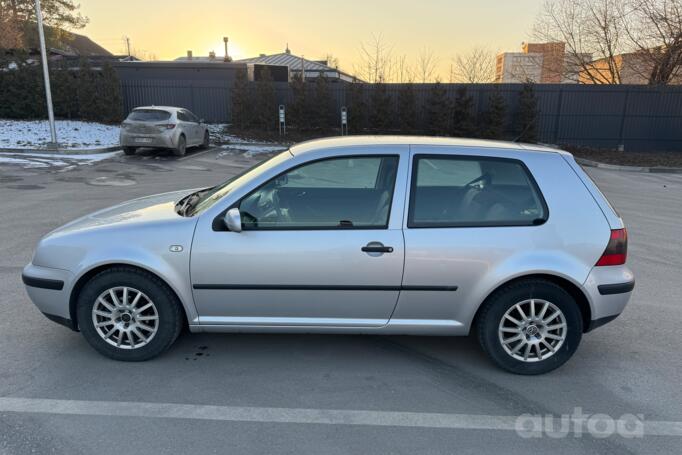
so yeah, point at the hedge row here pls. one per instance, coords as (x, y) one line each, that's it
(372, 109)
(77, 93)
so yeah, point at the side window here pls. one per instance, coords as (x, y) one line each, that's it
(191, 117)
(183, 117)
(453, 191)
(348, 192)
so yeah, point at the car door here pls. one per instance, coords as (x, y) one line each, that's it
(321, 245)
(186, 126)
(197, 130)
(469, 212)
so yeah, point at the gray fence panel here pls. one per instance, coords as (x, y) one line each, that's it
(637, 117)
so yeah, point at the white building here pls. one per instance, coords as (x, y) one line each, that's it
(518, 67)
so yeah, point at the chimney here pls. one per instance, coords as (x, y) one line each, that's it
(189, 55)
(227, 57)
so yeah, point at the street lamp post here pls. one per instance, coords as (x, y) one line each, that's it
(46, 76)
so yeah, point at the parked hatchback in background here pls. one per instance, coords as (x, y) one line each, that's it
(163, 127)
(375, 235)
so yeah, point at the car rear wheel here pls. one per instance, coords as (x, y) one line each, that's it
(530, 327)
(128, 314)
(129, 150)
(181, 148)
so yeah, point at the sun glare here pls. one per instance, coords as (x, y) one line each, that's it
(233, 49)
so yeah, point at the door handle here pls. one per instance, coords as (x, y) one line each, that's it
(376, 247)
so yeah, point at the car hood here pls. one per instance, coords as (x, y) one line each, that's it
(148, 209)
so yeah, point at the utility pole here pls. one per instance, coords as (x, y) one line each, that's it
(46, 76)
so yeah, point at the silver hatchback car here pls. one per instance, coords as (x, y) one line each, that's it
(374, 235)
(163, 127)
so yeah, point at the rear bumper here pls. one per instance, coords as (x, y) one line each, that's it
(50, 289)
(609, 290)
(163, 140)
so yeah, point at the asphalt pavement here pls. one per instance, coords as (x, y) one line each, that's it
(333, 394)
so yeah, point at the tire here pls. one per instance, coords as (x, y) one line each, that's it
(494, 324)
(207, 138)
(129, 150)
(181, 149)
(165, 307)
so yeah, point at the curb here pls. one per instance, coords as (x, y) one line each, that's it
(617, 167)
(64, 151)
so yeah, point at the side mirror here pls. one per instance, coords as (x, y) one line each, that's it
(201, 120)
(233, 220)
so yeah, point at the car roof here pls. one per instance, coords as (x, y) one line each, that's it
(160, 108)
(351, 141)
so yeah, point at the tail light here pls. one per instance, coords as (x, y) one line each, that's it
(617, 249)
(167, 126)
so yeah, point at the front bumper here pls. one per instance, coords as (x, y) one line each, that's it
(609, 290)
(50, 290)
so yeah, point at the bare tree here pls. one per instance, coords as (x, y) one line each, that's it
(654, 32)
(593, 33)
(475, 66)
(404, 72)
(427, 65)
(376, 61)
(18, 18)
(332, 60)
(10, 30)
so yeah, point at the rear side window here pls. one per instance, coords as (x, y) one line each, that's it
(149, 115)
(458, 191)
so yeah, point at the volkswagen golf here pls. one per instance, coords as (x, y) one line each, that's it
(371, 235)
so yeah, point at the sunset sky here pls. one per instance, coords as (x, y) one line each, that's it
(168, 28)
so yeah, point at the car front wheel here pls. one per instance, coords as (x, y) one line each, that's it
(530, 327)
(128, 314)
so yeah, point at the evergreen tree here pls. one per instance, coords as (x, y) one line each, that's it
(407, 109)
(242, 101)
(381, 113)
(493, 119)
(64, 90)
(88, 100)
(462, 117)
(357, 108)
(111, 103)
(297, 113)
(437, 110)
(266, 101)
(528, 114)
(322, 104)
(22, 93)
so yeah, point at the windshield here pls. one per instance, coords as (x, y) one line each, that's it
(149, 115)
(210, 196)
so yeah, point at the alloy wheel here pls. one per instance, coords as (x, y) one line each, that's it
(125, 317)
(532, 330)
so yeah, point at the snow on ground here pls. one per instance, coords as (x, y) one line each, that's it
(59, 160)
(254, 149)
(71, 134)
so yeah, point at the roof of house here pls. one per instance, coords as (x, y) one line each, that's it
(294, 62)
(82, 45)
(287, 59)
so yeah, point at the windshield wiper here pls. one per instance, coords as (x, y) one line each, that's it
(189, 201)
